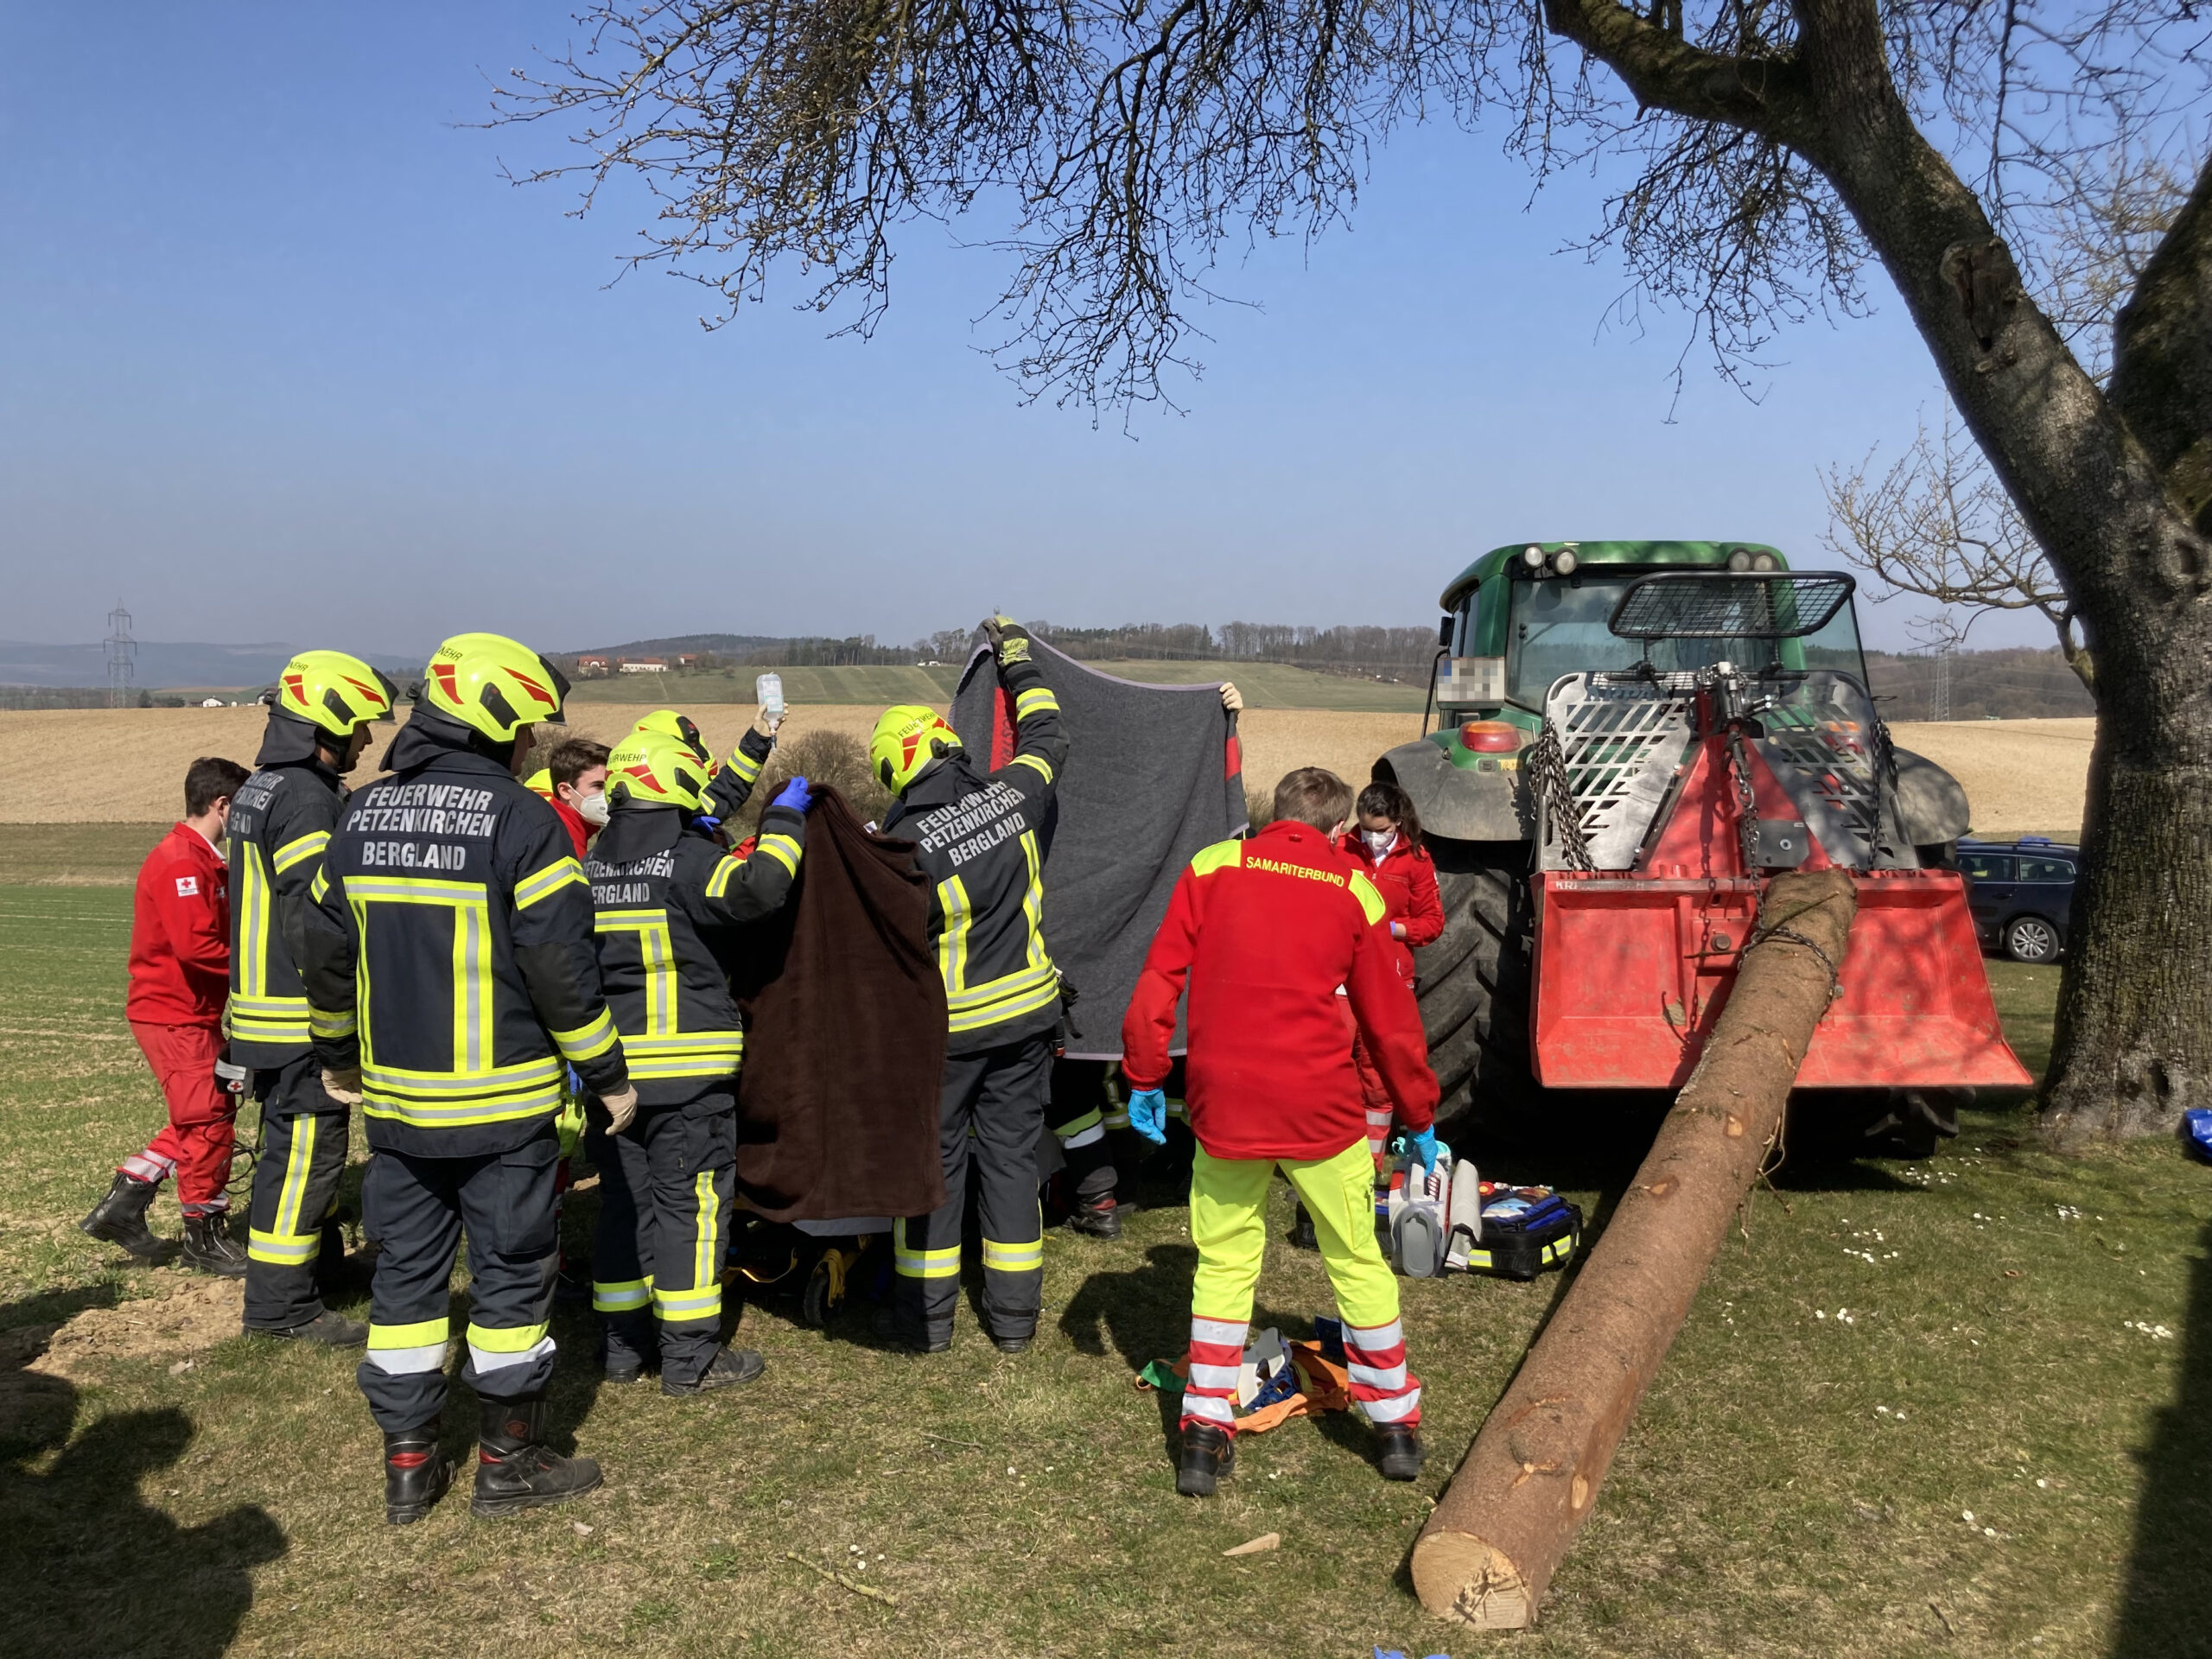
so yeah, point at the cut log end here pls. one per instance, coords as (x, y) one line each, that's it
(1459, 1577)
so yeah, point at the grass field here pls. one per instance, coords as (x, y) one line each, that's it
(1796, 1482)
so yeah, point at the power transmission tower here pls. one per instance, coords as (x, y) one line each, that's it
(121, 656)
(1943, 710)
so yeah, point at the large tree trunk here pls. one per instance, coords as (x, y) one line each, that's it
(2114, 486)
(1531, 1479)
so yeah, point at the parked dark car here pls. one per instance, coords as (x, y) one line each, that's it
(2021, 894)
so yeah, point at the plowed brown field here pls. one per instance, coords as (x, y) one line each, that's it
(127, 765)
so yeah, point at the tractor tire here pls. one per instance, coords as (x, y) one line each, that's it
(1473, 984)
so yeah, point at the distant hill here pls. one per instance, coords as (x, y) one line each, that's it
(722, 645)
(160, 665)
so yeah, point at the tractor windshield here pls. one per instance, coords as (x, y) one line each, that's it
(1558, 627)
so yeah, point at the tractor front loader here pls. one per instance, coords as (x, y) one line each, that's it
(1652, 730)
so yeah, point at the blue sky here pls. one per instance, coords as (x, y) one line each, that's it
(286, 359)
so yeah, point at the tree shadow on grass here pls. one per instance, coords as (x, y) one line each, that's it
(2166, 1607)
(95, 1569)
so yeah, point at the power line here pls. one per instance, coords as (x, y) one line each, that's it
(121, 656)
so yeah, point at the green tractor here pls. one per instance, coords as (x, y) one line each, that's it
(1633, 735)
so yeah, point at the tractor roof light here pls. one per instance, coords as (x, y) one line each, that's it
(1765, 561)
(1739, 560)
(1565, 562)
(1491, 737)
(1532, 556)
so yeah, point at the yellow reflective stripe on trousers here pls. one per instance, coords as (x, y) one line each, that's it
(543, 883)
(399, 1350)
(293, 1194)
(684, 1307)
(922, 1264)
(282, 1249)
(506, 1340)
(621, 1296)
(285, 1245)
(1013, 1258)
(295, 852)
(704, 1265)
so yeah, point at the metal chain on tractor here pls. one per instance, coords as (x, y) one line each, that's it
(1747, 803)
(1546, 767)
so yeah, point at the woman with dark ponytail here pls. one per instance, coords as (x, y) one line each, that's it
(1384, 844)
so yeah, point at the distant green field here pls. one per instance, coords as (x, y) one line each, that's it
(1265, 685)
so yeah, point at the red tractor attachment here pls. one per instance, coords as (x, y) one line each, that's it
(1666, 797)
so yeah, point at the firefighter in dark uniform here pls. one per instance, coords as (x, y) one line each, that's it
(976, 836)
(672, 905)
(453, 923)
(280, 822)
(730, 785)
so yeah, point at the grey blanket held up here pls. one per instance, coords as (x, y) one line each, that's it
(1152, 775)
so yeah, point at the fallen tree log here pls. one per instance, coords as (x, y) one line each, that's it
(1531, 1477)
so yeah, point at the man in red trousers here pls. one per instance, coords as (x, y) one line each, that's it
(179, 979)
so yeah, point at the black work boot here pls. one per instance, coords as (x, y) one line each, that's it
(1209, 1455)
(1400, 1444)
(1302, 1235)
(730, 1368)
(209, 1248)
(416, 1474)
(1101, 1217)
(626, 1345)
(120, 1218)
(327, 1329)
(889, 1326)
(1012, 1345)
(515, 1469)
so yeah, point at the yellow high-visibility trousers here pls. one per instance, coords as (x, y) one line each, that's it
(1228, 1198)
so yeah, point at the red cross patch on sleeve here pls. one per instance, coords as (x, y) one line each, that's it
(187, 887)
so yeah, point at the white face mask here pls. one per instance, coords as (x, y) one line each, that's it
(1379, 842)
(593, 809)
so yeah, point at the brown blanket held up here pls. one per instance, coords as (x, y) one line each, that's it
(844, 1040)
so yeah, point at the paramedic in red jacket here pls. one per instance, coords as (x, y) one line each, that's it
(1385, 846)
(180, 979)
(1264, 931)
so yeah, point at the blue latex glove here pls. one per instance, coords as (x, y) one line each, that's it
(1425, 1149)
(796, 795)
(1148, 1115)
(705, 821)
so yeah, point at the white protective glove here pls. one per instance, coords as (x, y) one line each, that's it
(621, 1107)
(344, 1087)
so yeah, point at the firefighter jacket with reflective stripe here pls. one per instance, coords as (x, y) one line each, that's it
(977, 839)
(1263, 931)
(732, 784)
(449, 948)
(672, 905)
(281, 820)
